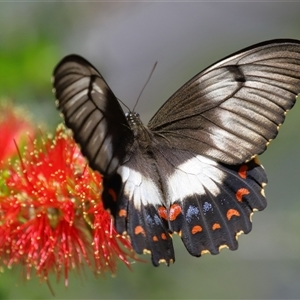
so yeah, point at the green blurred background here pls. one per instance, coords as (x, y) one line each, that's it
(124, 40)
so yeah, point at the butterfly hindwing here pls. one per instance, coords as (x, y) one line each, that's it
(93, 113)
(136, 209)
(210, 203)
(237, 102)
(207, 203)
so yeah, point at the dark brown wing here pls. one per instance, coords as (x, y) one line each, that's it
(93, 113)
(231, 110)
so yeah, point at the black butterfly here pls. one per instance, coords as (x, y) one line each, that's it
(193, 170)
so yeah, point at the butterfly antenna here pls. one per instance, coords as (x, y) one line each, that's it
(123, 104)
(145, 85)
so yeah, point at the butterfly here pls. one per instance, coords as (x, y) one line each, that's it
(193, 170)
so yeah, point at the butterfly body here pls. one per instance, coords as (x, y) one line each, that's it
(193, 170)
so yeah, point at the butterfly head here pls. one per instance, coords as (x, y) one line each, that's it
(142, 134)
(134, 120)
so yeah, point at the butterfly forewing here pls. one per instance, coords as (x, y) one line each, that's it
(231, 110)
(93, 113)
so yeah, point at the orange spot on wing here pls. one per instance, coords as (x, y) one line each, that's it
(122, 213)
(240, 193)
(155, 239)
(216, 226)
(139, 230)
(163, 212)
(163, 236)
(243, 171)
(196, 228)
(175, 210)
(113, 194)
(232, 212)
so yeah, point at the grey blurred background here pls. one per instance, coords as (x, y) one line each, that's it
(123, 40)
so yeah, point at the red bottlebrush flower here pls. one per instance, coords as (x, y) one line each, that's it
(13, 128)
(51, 215)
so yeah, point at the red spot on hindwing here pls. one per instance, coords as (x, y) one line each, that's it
(243, 171)
(240, 193)
(232, 212)
(196, 229)
(163, 236)
(162, 211)
(139, 230)
(216, 226)
(122, 213)
(175, 210)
